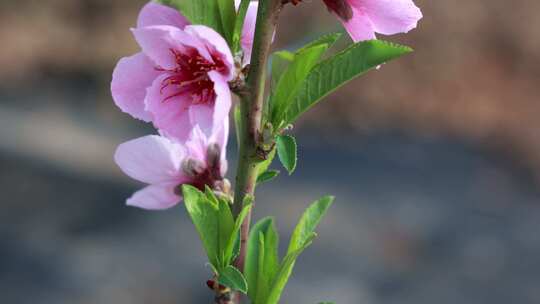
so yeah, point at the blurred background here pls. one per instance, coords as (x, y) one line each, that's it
(434, 160)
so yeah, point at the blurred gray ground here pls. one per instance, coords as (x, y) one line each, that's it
(417, 219)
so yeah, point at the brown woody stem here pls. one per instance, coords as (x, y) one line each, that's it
(251, 111)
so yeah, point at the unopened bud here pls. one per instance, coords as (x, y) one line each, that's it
(214, 285)
(223, 186)
(193, 167)
(213, 158)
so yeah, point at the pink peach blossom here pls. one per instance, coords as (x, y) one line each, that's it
(166, 164)
(248, 31)
(181, 66)
(363, 18)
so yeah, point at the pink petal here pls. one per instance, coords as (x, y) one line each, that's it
(202, 115)
(131, 77)
(213, 40)
(220, 135)
(390, 16)
(157, 14)
(220, 126)
(158, 41)
(199, 140)
(359, 26)
(171, 115)
(197, 144)
(222, 105)
(151, 159)
(155, 197)
(248, 31)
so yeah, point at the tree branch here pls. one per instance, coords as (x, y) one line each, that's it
(251, 109)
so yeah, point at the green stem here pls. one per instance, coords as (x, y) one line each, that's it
(251, 111)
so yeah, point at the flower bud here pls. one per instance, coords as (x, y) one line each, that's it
(223, 186)
(193, 167)
(213, 159)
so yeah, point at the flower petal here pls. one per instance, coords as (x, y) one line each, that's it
(158, 41)
(197, 144)
(222, 105)
(154, 13)
(171, 113)
(155, 197)
(390, 16)
(220, 135)
(151, 159)
(359, 26)
(248, 31)
(131, 77)
(214, 41)
(202, 116)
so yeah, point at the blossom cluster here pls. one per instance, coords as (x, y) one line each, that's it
(179, 82)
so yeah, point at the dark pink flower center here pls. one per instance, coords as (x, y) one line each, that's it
(205, 173)
(190, 76)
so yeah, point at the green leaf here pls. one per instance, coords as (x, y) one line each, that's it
(204, 214)
(228, 16)
(226, 230)
(287, 152)
(284, 273)
(290, 69)
(237, 123)
(308, 222)
(234, 279)
(265, 164)
(235, 233)
(239, 24)
(205, 12)
(215, 224)
(302, 237)
(280, 62)
(328, 39)
(267, 176)
(292, 78)
(334, 72)
(261, 259)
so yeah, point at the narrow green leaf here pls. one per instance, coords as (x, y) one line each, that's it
(302, 237)
(290, 69)
(234, 279)
(239, 24)
(292, 78)
(287, 152)
(280, 62)
(261, 258)
(237, 123)
(204, 215)
(267, 176)
(226, 232)
(235, 233)
(283, 274)
(334, 72)
(328, 39)
(205, 12)
(308, 222)
(268, 266)
(225, 223)
(228, 15)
